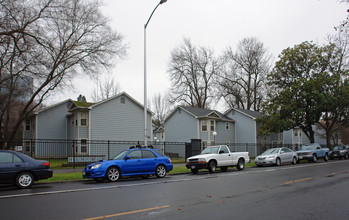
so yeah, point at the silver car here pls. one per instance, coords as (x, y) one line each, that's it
(277, 156)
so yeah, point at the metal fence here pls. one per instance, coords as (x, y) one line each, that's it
(73, 153)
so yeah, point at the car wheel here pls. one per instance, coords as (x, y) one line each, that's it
(326, 158)
(211, 166)
(194, 171)
(278, 162)
(294, 160)
(224, 169)
(241, 164)
(314, 158)
(24, 180)
(160, 171)
(113, 174)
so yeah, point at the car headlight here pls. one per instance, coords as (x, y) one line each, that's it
(271, 157)
(96, 166)
(202, 160)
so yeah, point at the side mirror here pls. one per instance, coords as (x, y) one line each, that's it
(127, 157)
(221, 152)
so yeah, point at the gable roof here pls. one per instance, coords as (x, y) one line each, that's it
(53, 106)
(249, 113)
(201, 113)
(116, 96)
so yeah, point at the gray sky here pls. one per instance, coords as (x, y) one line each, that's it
(216, 24)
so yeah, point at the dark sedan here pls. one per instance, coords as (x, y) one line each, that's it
(340, 152)
(22, 170)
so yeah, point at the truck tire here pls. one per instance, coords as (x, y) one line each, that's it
(326, 157)
(212, 166)
(194, 171)
(241, 164)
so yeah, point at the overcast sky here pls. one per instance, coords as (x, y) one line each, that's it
(216, 24)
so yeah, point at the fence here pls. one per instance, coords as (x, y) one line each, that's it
(72, 153)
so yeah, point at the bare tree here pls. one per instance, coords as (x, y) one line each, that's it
(160, 107)
(192, 70)
(49, 42)
(242, 81)
(106, 89)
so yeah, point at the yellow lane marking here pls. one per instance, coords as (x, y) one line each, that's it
(295, 181)
(127, 213)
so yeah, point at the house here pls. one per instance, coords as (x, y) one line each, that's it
(247, 128)
(119, 118)
(186, 123)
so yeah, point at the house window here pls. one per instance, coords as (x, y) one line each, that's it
(212, 127)
(296, 134)
(27, 125)
(227, 126)
(83, 146)
(83, 119)
(27, 146)
(204, 125)
(122, 100)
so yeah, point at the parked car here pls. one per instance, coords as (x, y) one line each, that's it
(22, 170)
(132, 162)
(340, 152)
(276, 156)
(312, 152)
(217, 156)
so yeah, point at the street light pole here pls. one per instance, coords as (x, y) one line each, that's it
(145, 73)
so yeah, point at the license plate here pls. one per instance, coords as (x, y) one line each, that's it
(193, 167)
(300, 158)
(83, 173)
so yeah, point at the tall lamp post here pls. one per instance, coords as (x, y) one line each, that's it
(145, 73)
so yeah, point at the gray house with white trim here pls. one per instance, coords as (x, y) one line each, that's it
(186, 123)
(118, 118)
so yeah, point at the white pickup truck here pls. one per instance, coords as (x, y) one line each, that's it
(217, 156)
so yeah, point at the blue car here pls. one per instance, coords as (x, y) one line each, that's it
(132, 162)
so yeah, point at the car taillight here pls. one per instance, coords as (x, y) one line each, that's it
(46, 164)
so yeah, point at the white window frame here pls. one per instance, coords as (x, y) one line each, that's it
(204, 123)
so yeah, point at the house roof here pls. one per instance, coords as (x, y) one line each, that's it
(202, 113)
(116, 96)
(249, 113)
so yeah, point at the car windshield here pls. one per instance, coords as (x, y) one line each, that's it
(307, 147)
(210, 150)
(339, 148)
(271, 151)
(120, 155)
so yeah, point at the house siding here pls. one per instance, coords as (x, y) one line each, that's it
(245, 127)
(181, 127)
(114, 120)
(52, 123)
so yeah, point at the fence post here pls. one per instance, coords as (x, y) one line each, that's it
(108, 149)
(74, 143)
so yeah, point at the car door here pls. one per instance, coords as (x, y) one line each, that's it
(149, 160)
(285, 155)
(224, 156)
(10, 165)
(133, 163)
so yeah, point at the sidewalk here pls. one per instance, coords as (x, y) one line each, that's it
(79, 170)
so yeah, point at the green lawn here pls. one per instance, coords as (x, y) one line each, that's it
(60, 177)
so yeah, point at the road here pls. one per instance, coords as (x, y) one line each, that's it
(302, 191)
